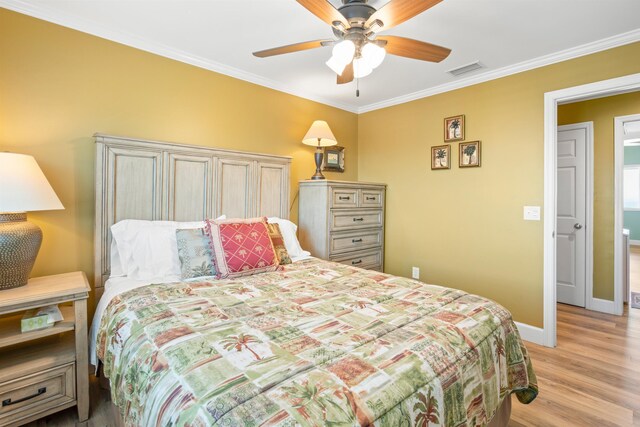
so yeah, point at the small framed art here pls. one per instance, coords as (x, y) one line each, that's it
(333, 159)
(469, 154)
(454, 128)
(441, 157)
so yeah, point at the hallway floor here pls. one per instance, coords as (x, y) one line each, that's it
(634, 269)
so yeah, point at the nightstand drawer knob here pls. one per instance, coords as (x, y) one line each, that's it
(358, 219)
(8, 402)
(356, 262)
(356, 241)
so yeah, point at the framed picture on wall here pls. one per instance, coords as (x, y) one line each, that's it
(469, 154)
(441, 157)
(333, 159)
(454, 128)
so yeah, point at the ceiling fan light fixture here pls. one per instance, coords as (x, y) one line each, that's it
(373, 54)
(337, 66)
(343, 52)
(361, 68)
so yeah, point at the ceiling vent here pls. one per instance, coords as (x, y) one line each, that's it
(469, 68)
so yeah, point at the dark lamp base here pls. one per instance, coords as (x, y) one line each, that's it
(19, 245)
(318, 157)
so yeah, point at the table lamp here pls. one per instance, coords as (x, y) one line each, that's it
(23, 188)
(319, 135)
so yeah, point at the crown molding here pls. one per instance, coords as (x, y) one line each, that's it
(122, 37)
(541, 61)
(87, 26)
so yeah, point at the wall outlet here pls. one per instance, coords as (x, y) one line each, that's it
(415, 272)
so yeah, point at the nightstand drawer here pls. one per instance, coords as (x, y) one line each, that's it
(354, 219)
(344, 198)
(366, 259)
(40, 392)
(344, 242)
(370, 198)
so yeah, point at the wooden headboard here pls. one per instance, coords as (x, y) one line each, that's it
(151, 180)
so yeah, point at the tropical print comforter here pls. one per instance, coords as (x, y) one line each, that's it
(315, 343)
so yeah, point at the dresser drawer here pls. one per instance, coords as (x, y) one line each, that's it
(344, 198)
(353, 241)
(370, 198)
(365, 259)
(39, 392)
(355, 219)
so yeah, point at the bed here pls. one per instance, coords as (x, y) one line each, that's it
(313, 343)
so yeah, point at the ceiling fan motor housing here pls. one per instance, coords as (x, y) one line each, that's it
(357, 12)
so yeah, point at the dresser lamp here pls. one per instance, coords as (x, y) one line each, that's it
(23, 188)
(319, 135)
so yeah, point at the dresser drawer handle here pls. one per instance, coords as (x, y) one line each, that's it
(8, 402)
(356, 262)
(358, 219)
(344, 198)
(371, 198)
(356, 240)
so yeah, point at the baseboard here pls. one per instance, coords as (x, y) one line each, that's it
(601, 305)
(634, 242)
(531, 333)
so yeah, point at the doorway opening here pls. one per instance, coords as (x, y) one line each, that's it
(609, 297)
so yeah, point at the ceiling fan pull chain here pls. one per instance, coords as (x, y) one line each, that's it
(357, 88)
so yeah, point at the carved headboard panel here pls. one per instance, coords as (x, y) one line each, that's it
(151, 180)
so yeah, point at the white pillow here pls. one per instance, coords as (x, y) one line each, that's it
(288, 230)
(116, 264)
(148, 249)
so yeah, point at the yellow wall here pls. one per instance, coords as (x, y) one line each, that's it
(59, 86)
(464, 227)
(601, 112)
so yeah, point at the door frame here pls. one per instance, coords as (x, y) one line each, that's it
(615, 86)
(588, 220)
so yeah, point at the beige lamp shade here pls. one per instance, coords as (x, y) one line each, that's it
(319, 135)
(23, 186)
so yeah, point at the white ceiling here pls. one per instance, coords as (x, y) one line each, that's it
(504, 35)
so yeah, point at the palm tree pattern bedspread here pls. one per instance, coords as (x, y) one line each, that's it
(314, 343)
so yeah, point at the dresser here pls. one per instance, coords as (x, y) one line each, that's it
(343, 221)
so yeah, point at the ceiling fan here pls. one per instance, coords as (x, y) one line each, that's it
(358, 49)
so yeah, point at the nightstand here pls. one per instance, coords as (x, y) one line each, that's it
(44, 371)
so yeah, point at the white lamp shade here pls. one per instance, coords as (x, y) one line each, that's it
(343, 52)
(361, 68)
(23, 186)
(319, 135)
(373, 54)
(335, 65)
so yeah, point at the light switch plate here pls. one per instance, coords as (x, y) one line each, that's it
(532, 213)
(415, 272)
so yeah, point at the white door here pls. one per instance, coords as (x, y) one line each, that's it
(571, 262)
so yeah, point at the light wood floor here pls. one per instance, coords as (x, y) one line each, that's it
(634, 269)
(591, 379)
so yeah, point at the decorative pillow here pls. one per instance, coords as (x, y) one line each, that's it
(194, 252)
(241, 247)
(278, 244)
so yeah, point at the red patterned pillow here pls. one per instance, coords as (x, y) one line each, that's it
(241, 247)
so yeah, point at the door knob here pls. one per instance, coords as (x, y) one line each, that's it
(577, 226)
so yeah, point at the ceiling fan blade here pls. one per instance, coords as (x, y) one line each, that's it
(297, 47)
(325, 11)
(347, 74)
(414, 49)
(397, 11)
